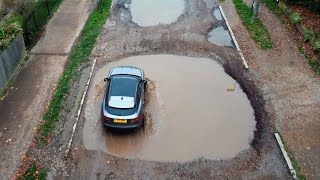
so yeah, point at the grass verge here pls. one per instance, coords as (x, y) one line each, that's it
(34, 172)
(294, 161)
(257, 30)
(79, 54)
(273, 6)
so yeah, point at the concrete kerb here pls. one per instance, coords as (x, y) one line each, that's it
(244, 62)
(80, 107)
(286, 157)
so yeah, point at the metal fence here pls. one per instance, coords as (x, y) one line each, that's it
(35, 17)
(10, 59)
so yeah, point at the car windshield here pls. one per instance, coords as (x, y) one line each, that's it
(125, 86)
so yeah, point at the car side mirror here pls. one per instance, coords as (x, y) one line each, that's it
(106, 79)
(144, 81)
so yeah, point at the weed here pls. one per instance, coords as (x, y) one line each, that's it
(308, 35)
(317, 46)
(295, 18)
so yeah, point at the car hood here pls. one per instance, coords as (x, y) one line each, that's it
(121, 102)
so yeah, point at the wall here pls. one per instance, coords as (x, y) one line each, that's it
(10, 59)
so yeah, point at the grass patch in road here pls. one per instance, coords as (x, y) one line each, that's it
(80, 53)
(257, 30)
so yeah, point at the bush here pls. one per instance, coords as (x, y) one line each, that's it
(317, 46)
(308, 35)
(9, 29)
(295, 18)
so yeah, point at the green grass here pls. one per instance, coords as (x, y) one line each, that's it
(33, 172)
(80, 54)
(273, 6)
(257, 30)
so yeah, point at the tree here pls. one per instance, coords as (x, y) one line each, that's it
(255, 9)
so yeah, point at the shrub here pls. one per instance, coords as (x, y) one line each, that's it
(287, 11)
(317, 46)
(9, 29)
(308, 35)
(295, 18)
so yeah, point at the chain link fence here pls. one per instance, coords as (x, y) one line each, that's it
(35, 16)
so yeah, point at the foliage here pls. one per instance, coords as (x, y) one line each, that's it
(287, 11)
(9, 29)
(295, 18)
(272, 5)
(317, 46)
(308, 35)
(257, 30)
(34, 172)
(79, 54)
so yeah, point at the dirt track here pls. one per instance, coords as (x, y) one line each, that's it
(186, 37)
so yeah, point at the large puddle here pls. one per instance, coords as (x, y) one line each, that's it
(193, 109)
(154, 12)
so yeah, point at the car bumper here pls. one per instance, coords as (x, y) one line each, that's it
(122, 126)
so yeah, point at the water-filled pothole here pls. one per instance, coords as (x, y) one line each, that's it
(193, 109)
(220, 37)
(217, 14)
(154, 12)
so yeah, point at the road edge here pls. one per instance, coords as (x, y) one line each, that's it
(84, 95)
(244, 62)
(286, 156)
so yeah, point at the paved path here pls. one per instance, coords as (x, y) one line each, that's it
(26, 101)
(291, 89)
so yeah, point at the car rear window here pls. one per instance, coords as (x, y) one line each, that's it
(123, 86)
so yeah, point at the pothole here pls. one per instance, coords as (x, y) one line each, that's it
(217, 14)
(193, 109)
(220, 37)
(154, 12)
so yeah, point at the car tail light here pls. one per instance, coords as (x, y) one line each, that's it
(136, 119)
(105, 118)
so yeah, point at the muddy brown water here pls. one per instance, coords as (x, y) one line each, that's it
(154, 12)
(193, 109)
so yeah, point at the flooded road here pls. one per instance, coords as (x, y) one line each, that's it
(154, 12)
(193, 109)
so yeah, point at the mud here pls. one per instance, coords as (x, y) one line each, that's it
(154, 12)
